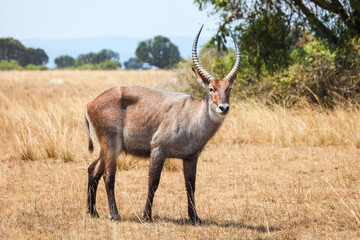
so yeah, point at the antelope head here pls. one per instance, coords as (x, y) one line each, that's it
(217, 90)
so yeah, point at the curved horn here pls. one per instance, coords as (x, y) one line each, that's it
(201, 71)
(232, 75)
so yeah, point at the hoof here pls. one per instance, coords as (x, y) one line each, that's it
(94, 214)
(145, 218)
(195, 221)
(115, 218)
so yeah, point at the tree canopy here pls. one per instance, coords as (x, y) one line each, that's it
(12, 49)
(64, 61)
(159, 52)
(270, 29)
(96, 58)
(105, 59)
(36, 56)
(133, 63)
(334, 20)
(106, 54)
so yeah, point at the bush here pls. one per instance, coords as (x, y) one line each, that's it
(109, 65)
(106, 65)
(325, 76)
(14, 65)
(319, 75)
(87, 67)
(34, 67)
(10, 65)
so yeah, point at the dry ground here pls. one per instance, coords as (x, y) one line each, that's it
(269, 173)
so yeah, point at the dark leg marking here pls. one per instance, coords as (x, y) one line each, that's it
(156, 165)
(190, 177)
(95, 171)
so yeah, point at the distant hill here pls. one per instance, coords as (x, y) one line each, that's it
(125, 46)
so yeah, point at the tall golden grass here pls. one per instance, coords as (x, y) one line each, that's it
(269, 172)
(42, 113)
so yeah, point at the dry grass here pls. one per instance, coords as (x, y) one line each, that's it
(268, 173)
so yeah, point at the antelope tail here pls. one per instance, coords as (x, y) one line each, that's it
(91, 145)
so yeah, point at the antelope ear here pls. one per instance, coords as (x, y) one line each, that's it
(198, 78)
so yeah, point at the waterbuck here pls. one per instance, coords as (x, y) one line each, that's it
(146, 122)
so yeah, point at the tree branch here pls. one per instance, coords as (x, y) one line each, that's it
(335, 7)
(316, 22)
(228, 20)
(355, 15)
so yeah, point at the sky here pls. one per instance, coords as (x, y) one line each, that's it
(64, 19)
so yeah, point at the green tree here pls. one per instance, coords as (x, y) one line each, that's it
(106, 54)
(35, 56)
(267, 42)
(159, 52)
(88, 58)
(64, 61)
(97, 58)
(270, 29)
(13, 49)
(335, 20)
(133, 63)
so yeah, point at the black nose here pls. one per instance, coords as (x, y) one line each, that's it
(224, 108)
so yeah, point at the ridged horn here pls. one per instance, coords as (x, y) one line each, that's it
(232, 75)
(200, 70)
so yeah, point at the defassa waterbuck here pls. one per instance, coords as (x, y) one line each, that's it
(146, 122)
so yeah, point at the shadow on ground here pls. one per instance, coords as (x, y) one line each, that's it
(207, 222)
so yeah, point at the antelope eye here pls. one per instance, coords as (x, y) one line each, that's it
(212, 89)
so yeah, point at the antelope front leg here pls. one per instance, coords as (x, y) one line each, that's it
(190, 176)
(156, 165)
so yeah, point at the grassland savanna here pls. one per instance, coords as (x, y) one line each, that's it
(269, 172)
